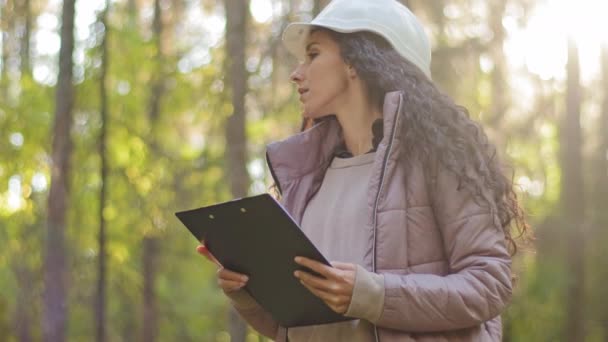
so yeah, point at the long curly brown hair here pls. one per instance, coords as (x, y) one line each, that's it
(437, 128)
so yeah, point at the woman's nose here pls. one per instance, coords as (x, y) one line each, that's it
(296, 75)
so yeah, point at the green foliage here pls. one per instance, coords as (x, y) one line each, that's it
(537, 312)
(176, 161)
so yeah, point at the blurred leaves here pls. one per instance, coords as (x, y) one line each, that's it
(177, 162)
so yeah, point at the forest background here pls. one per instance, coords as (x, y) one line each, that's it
(115, 114)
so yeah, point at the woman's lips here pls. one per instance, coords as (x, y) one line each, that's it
(302, 92)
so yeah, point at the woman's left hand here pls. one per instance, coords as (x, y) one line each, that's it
(336, 289)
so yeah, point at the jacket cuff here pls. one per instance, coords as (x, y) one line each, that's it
(242, 300)
(368, 296)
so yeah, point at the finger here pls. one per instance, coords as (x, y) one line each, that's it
(320, 283)
(231, 275)
(229, 285)
(329, 297)
(325, 296)
(332, 301)
(324, 270)
(202, 249)
(343, 265)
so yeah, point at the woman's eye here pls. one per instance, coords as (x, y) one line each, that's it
(312, 55)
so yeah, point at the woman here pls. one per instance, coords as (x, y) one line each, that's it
(394, 181)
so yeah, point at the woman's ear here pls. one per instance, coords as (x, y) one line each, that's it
(352, 73)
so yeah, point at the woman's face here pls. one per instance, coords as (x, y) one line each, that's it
(323, 78)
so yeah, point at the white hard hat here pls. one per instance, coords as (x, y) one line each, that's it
(387, 18)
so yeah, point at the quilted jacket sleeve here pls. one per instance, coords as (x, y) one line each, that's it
(253, 313)
(478, 286)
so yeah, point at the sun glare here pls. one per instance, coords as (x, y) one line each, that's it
(541, 46)
(263, 11)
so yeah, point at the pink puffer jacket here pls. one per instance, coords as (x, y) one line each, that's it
(445, 264)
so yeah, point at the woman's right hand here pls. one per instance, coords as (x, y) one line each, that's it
(228, 281)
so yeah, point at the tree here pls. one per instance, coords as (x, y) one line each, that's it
(150, 243)
(6, 25)
(572, 197)
(25, 38)
(500, 100)
(598, 200)
(237, 12)
(602, 168)
(318, 6)
(55, 300)
(407, 3)
(100, 309)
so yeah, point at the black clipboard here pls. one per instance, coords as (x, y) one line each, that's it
(256, 236)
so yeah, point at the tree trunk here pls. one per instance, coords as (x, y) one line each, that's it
(600, 172)
(236, 141)
(150, 242)
(318, 6)
(406, 3)
(603, 176)
(156, 89)
(132, 11)
(236, 147)
(602, 167)
(25, 39)
(572, 198)
(443, 56)
(5, 29)
(55, 303)
(100, 307)
(600, 198)
(129, 322)
(500, 99)
(150, 251)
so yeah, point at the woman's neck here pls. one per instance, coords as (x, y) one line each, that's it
(356, 117)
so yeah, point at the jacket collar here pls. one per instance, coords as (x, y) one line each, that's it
(314, 148)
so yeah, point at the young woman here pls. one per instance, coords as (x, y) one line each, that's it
(395, 182)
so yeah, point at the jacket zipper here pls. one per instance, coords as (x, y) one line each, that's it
(383, 171)
(384, 164)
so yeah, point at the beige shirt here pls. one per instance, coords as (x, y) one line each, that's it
(341, 202)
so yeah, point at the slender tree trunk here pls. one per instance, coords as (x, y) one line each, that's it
(602, 168)
(600, 198)
(407, 3)
(157, 83)
(236, 141)
(5, 28)
(55, 301)
(318, 6)
(132, 11)
(128, 330)
(25, 39)
(150, 242)
(601, 157)
(572, 198)
(100, 307)
(150, 254)
(500, 99)
(441, 63)
(236, 147)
